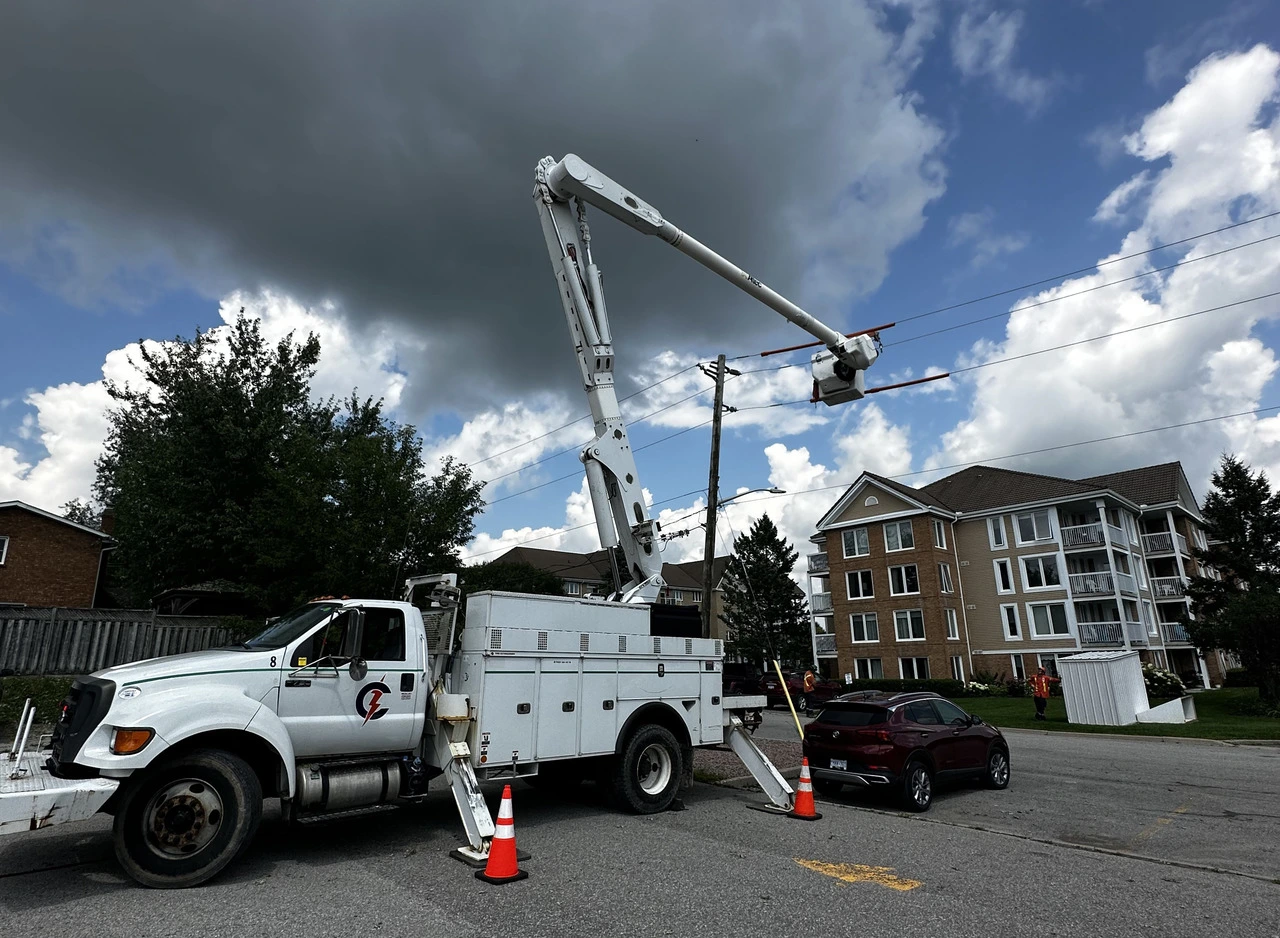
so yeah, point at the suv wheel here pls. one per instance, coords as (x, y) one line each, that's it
(997, 773)
(917, 787)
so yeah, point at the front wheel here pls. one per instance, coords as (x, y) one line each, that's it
(802, 704)
(646, 776)
(997, 773)
(917, 787)
(182, 821)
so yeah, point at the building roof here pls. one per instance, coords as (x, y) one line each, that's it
(979, 488)
(52, 517)
(688, 575)
(922, 495)
(594, 567)
(1149, 485)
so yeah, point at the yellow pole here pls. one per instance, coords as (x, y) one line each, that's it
(783, 681)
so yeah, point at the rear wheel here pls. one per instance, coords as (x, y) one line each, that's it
(827, 786)
(646, 776)
(997, 771)
(181, 822)
(917, 787)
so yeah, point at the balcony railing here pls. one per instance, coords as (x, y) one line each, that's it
(1175, 632)
(1084, 584)
(818, 563)
(1167, 587)
(1163, 543)
(1117, 535)
(825, 645)
(1100, 633)
(1127, 584)
(1137, 633)
(822, 604)
(1083, 535)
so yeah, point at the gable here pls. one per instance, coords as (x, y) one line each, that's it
(885, 503)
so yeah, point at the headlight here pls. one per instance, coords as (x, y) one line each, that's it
(128, 740)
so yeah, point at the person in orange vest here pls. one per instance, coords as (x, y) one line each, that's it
(1040, 690)
(810, 682)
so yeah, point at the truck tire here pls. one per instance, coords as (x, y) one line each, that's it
(181, 821)
(646, 776)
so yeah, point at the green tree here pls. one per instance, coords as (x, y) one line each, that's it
(1240, 612)
(765, 612)
(514, 577)
(222, 466)
(81, 511)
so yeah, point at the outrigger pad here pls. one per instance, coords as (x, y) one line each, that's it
(478, 860)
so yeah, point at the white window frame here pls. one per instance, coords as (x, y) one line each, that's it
(902, 672)
(1139, 570)
(1026, 580)
(1199, 538)
(957, 668)
(1052, 658)
(1149, 615)
(897, 526)
(844, 545)
(907, 612)
(1019, 668)
(573, 589)
(953, 624)
(857, 666)
(870, 501)
(695, 596)
(4, 548)
(905, 591)
(1008, 565)
(1004, 622)
(1017, 528)
(863, 616)
(939, 533)
(677, 596)
(996, 526)
(848, 588)
(1051, 636)
(945, 583)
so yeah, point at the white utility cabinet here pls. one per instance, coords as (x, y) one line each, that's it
(1103, 688)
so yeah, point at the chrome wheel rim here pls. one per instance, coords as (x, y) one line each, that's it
(182, 818)
(999, 768)
(654, 769)
(921, 787)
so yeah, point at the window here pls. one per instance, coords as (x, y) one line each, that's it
(859, 584)
(921, 712)
(1149, 618)
(953, 626)
(383, 638)
(1050, 664)
(573, 589)
(949, 712)
(1004, 576)
(909, 625)
(939, 534)
(898, 536)
(856, 542)
(868, 669)
(914, 669)
(871, 501)
(1141, 569)
(1048, 619)
(995, 532)
(695, 596)
(1198, 533)
(1033, 526)
(957, 668)
(677, 596)
(1040, 573)
(327, 642)
(1009, 614)
(904, 580)
(1019, 671)
(944, 578)
(4, 549)
(864, 627)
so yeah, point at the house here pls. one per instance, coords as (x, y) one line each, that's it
(592, 574)
(46, 560)
(996, 571)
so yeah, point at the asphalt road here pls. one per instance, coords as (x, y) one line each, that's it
(979, 862)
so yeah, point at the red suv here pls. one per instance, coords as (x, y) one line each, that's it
(824, 690)
(903, 742)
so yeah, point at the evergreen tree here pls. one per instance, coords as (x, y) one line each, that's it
(765, 611)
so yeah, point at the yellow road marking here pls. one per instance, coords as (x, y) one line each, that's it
(1159, 824)
(858, 873)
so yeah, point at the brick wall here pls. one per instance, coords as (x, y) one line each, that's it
(48, 563)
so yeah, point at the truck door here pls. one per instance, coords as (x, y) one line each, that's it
(327, 712)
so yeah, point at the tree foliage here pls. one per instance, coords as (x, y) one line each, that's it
(222, 466)
(514, 577)
(81, 511)
(765, 612)
(1240, 612)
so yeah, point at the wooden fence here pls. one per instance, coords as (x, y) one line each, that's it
(80, 641)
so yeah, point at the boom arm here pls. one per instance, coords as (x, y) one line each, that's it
(621, 516)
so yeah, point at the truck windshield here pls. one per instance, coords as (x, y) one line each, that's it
(295, 624)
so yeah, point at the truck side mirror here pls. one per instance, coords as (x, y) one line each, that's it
(359, 668)
(354, 635)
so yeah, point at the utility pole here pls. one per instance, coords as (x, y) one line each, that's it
(713, 499)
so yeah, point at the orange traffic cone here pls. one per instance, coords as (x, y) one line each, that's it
(502, 866)
(804, 807)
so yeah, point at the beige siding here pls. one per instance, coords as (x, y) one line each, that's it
(888, 505)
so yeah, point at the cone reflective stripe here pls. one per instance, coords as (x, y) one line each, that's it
(804, 808)
(502, 866)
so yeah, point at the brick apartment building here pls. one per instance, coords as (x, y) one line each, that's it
(994, 571)
(46, 560)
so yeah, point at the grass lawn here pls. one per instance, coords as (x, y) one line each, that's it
(47, 692)
(1215, 717)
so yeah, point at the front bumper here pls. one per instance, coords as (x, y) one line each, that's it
(39, 799)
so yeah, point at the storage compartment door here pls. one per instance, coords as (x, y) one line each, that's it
(557, 710)
(710, 714)
(506, 716)
(599, 720)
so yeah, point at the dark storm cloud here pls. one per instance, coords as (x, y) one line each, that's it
(381, 154)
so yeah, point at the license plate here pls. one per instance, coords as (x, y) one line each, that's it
(841, 764)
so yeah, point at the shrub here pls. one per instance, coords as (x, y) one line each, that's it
(1161, 683)
(1016, 688)
(1238, 677)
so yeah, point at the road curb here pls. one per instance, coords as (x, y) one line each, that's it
(1153, 739)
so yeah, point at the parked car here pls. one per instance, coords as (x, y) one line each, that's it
(904, 742)
(805, 701)
(741, 679)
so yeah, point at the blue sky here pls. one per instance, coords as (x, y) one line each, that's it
(960, 149)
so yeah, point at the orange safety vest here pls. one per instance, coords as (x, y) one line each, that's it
(1040, 685)
(809, 682)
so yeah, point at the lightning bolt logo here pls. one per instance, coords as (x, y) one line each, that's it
(369, 701)
(373, 705)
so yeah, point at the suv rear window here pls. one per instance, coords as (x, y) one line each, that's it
(853, 715)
